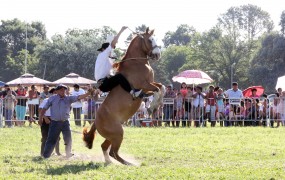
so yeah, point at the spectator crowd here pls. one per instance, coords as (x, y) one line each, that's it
(21, 105)
(186, 106)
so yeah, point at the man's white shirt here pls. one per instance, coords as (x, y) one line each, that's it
(234, 96)
(104, 64)
(77, 104)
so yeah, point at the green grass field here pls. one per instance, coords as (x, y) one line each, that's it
(160, 153)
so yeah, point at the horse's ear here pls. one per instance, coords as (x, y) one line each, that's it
(147, 29)
(151, 32)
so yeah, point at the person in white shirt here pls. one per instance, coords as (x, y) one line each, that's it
(235, 96)
(198, 104)
(44, 122)
(103, 69)
(77, 106)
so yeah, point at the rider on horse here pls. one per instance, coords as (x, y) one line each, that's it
(103, 69)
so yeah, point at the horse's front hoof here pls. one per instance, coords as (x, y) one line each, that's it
(107, 163)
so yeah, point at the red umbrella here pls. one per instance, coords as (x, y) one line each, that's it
(248, 91)
(193, 77)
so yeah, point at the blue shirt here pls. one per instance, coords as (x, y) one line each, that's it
(60, 107)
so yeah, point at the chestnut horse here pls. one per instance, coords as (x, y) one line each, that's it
(119, 105)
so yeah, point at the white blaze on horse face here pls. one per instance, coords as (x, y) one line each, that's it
(156, 49)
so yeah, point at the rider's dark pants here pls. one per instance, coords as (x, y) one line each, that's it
(110, 82)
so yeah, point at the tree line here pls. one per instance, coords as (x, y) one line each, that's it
(242, 45)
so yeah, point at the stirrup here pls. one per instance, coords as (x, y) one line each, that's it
(136, 93)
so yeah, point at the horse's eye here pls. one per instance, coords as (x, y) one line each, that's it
(150, 41)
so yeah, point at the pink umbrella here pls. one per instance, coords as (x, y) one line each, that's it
(193, 77)
(28, 79)
(72, 79)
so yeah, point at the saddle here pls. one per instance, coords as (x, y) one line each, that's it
(108, 83)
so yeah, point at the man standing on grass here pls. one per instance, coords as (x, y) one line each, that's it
(59, 113)
(44, 123)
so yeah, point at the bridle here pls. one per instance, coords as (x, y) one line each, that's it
(147, 49)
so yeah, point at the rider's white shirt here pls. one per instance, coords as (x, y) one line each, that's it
(103, 65)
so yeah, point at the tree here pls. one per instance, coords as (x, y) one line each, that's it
(173, 58)
(12, 44)
(282, 23)
(182, 36)
(268, 64)
(139, 29)
(241, 27)
(75, 52)
(214, 54)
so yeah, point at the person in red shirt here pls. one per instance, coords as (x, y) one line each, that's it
(21, 105)
(211, 105)
(183, 89)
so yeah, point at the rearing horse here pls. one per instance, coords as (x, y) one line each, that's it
(119, 105)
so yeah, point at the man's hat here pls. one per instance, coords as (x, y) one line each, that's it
(58, 87)
(104, 46)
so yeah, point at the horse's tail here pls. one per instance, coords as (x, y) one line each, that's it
(88, 137)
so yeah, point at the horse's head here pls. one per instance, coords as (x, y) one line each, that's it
(149, 44)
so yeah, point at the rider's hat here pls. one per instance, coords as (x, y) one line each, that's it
(104, 46)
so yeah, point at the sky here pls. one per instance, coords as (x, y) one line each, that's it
(163, 16)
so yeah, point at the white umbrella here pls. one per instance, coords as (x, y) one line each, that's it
(72, 79)
(193, 77)
(280, 83)
(28, 79)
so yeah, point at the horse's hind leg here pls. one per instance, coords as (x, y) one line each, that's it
(105, 145)
(117, 138)
(116, 143)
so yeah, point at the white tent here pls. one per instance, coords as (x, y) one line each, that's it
(28, 79)
(280, 83)
(72, 79)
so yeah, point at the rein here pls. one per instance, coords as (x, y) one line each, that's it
(138, 58)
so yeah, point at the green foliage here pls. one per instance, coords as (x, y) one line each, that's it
(13, 44)
(75, 52)
(241, 41)
(173, 58)
(282, 23)
(160, 153)
(269, 62)
(182, 36)
(139, 29)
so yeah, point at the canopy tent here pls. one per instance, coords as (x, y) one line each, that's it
(72, 79)
(28, 79)
(280, 83)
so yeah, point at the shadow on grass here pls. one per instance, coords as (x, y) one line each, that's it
(74, 168)
(37, 159)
